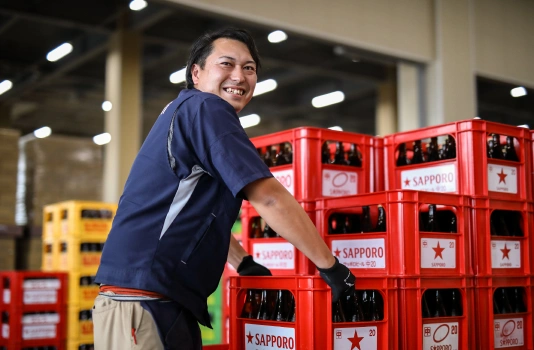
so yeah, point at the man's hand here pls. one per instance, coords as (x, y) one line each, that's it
(248, 267)
(339, 278)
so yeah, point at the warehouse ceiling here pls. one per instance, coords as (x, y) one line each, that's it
(67, 95)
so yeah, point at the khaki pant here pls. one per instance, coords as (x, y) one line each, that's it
(122, 325)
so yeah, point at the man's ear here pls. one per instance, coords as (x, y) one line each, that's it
(195, 70)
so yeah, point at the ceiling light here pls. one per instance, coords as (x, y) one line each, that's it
(178, 76)
(43, 132)
(277, 36)
(5, 85)
(137, 5)
(102, 139)
(59, 52)
(518, 91)
(336, 128)
(249, 120)
(328, 99)
(107, 106)
(265, 86)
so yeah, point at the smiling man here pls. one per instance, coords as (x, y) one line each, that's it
(171, 236)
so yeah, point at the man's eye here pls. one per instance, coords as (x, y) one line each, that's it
(250, 68)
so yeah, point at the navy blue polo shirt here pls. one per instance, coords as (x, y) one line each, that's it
(172, 229)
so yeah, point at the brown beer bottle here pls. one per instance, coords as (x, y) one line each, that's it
(264, 313)
(347, 225)
(518, 303)
(255, 229)
(451, 147)
(366, 219)
(280, 308)
(333, 223)
(402, 159)
(357, 314)
(439, 306)
(433, 150)
(513, 220)
(337, 312)
(268, 232)
(381, 222)
(489, 148)
(426, 309)
(453, 226)
(251, 307)
(503, 302)
(292, 315)
(509, 149)
(496, 151)
(281, 156)
(376, 305)
(325, 153)
(431, 225)
(418, 155)
(267, 158)
(354, 156)
(502, 225)
(339, 157)
(456, 303)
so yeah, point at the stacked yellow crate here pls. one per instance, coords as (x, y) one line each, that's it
(75, 246)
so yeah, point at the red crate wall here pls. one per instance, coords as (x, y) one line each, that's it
(307, 178)
(313, 328)
(276, 253)
(471, 172)
(228, 272)
(500, 255)
(405, 249)
(39, 330)
(451, 332)
(495, 331)
(37, 295)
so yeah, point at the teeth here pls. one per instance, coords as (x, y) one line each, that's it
(235, 91)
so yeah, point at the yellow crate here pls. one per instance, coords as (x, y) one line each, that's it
(79, 325)
(79, 345)
(80, 256)
(83, 219)
(51, 221)
(50, 254)
(82, 290)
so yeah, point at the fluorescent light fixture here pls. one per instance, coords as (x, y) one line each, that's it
(5, 85)
(336, 128)
(43, 132)
(137, 5)
(518, 91)
(107, 106)
(328, 99)
(178, 76)
(249, 120)
(526, 126)
(277, 36)
(59, 52)
(265, 86)
(102, 139)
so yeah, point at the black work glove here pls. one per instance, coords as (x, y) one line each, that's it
(339, 278)
(248, 267)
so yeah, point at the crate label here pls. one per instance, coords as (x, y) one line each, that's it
(7, 296)
(5, 331)
(505, 254)
(438, 253)
(90, 259)
(508, 332)
(339, 183)
(90, 293)
(40, 318)
(39, 297)
(95, 226)
(42, 284)
(441, 178)
(260, 337)
(42, 331)
(440, 336)
(275, 255)
(356, 338)
(86, 328)
(360, 253)
(286, 178)
(502, 178)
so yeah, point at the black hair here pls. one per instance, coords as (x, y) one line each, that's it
(203, 46)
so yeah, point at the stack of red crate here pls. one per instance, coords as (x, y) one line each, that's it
(33, 308)
(499, 194)
(312, 174)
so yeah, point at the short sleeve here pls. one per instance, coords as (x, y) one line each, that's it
(223, 147)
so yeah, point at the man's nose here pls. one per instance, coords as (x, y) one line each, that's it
(237, 74)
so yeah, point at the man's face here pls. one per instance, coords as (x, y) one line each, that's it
(229, 72)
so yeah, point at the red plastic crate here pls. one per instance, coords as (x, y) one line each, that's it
(33, 344)
(307, 178)
(313, 328)
(405, 249)
(494, 255)
(225, 296)
(32, 290)
(471, 172)
(450, 332)
(511, 330)
(34, 327)
(277, 254)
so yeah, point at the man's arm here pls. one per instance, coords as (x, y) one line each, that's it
(285, 215)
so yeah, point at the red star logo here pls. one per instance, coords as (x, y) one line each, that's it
(407, 182)
(438, 251)
(337, 251)
(502, 176)
(249, 337)
(505, 252)
(355, 341)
